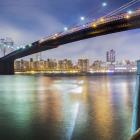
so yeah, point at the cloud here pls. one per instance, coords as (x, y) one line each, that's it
(126, 45)
(29, 23)
(35, 25)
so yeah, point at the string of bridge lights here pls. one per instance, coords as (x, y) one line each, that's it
(116, 11)
(16, 47)
(82, 19)
(123, 7)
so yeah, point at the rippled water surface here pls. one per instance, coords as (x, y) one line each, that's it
(66, 108)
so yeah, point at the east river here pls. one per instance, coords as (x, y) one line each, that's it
(66, 108)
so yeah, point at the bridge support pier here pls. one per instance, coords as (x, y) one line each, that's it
(6, 67)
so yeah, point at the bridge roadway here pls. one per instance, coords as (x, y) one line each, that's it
(98, 28)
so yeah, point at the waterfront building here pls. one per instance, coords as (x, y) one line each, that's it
(50, 64)
(110, 56)
(96, 66)
(22, 65)
(17, 66)
(83, 65)
(64, 65)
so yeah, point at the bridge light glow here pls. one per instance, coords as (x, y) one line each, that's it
(102, 19)
(127, 16)
(104, 4)
(82, 18)
(65, 28)
(55, 36)
(130, 12)
(94, 25)
(30, 45)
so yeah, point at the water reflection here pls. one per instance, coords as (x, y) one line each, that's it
(66, 108)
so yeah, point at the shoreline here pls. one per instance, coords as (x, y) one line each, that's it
(76, 74)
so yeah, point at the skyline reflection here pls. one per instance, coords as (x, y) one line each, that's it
(66, 108)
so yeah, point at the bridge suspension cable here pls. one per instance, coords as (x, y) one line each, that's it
(123, 7)
(75, 27)
(116, 11)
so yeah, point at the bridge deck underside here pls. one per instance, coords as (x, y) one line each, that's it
(102, 29)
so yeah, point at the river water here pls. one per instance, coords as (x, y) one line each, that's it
(66, 108)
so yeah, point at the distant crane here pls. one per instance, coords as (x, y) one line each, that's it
(6, 45)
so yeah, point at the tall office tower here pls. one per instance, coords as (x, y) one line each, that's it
(6, 46)
(111, 56)
(83, 65)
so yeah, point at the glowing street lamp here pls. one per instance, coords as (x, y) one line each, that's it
(82, 18)
(65, 28)
(130, 12)
(104, 4)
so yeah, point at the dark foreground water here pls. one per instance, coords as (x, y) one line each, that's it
(66, 108)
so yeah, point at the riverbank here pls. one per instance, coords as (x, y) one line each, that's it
(75, 74)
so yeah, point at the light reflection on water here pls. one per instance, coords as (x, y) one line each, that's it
(66, 108)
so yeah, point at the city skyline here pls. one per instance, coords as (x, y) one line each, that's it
(67, 66)
(7, 48)
(48, 17)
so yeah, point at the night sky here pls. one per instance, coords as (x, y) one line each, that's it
(29, 20)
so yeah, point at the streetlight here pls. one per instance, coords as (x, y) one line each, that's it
(130, 12)
(65, 28)
(82, 18)
(104, 4)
